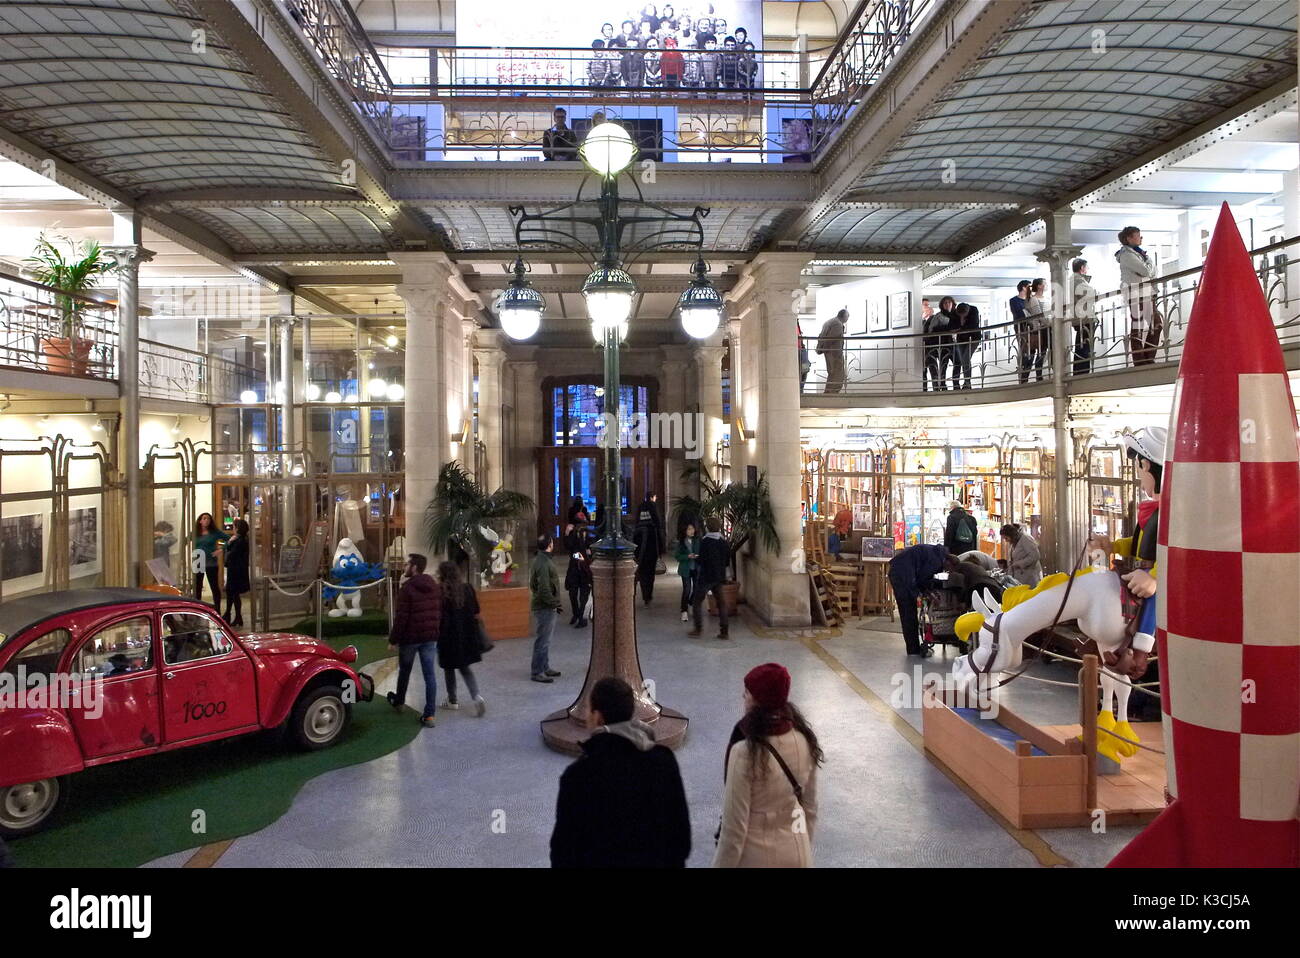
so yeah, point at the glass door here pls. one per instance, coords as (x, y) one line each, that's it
(568, 474)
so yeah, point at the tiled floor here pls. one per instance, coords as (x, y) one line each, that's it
(482, 791)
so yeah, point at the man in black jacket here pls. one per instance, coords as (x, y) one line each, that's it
(622, 804)
(910, 572)
(649, 539)
(560, 142)
(962, 532)
(715, 558)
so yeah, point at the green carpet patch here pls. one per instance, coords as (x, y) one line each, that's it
(128, 813)
(371, 623)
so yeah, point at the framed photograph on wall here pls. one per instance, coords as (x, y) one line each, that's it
(22, 546)
(900, 310)
(877, 321)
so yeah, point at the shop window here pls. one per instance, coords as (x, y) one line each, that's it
(122, 648)
(188, 636)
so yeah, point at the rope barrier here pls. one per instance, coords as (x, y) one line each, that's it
(311, 585)
(1035, 678)
(1129, 740)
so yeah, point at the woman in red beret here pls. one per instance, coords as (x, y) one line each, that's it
(770, 805)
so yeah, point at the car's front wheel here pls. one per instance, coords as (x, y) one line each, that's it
(319, 718)
(28, 808)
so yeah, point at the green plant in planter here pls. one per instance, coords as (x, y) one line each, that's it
(77, 273)
(460, 510)
(745, 510)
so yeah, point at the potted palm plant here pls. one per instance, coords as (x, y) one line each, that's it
(474, 526)
(76, 274)
(465, 516)
(745, 510)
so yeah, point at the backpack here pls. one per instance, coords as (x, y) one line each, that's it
(966, 529)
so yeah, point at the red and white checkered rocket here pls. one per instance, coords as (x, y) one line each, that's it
(1228, 613)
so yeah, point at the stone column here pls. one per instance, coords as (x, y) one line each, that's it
(128, 258)
(528, 426)
(769, 401)
(674, 397)
(465, 368)
(1057, 254)
(288, 424)
(426, 278)
(708, 376)
(737, 448)
(490, 355)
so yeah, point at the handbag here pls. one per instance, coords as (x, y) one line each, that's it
(485, 644)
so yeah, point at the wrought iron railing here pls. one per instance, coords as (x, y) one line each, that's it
(699, 102)
(185, 375)
(43, 329)
(1008, 354)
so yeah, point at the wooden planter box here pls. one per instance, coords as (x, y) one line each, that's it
(1046, 790)
(505, 612)
(1050, 789)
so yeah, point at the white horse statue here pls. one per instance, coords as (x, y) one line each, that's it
(1094, 601)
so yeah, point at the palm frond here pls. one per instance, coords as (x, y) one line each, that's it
(460, 509)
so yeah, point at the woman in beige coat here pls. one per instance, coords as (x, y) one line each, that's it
(768, 813)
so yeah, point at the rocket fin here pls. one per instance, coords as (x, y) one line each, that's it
(1181, 839)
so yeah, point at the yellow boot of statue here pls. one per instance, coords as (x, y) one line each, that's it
(1127, 731)
(1107, 745)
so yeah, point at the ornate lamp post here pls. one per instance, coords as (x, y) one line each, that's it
(609, 292)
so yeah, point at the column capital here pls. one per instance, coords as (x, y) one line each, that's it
(489, 340)
(1060, 254)
(709, 351)
(127, 256)
(425, 268)
(286, 320)
(422, 297)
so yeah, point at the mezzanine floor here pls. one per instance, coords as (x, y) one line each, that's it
(882, 802)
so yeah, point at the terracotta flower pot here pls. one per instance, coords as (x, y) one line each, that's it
(730, 594)
(67, 357)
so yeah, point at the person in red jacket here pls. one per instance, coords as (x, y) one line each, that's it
(417, 619)
(671, 63)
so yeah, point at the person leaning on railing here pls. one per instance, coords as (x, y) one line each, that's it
(1083, 317)
(965, 339)
(1037, 340)
(1136, 271)
(935, 341)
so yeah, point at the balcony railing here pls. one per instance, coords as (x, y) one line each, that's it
(698, 102)
(1008, 356)
(184, 375)
(43, 329)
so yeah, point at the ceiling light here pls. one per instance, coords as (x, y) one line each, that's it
(376, 388)
(608, 291)
(520, 308)
(312, 392)
(700, 305)
(333, 397)
(247, 397)
(395, 392)
(392, 341)
(608, 149)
